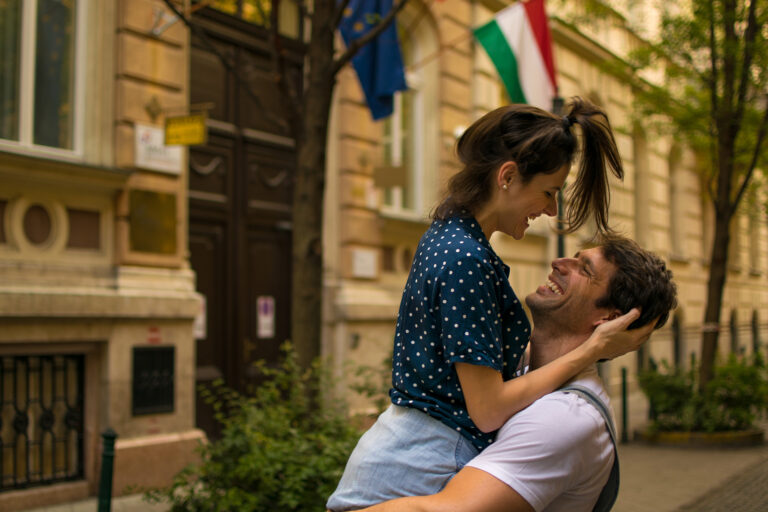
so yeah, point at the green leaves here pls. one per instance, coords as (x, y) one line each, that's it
(280, 448)
(731, 401)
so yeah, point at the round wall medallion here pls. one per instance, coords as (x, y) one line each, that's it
(37, 224)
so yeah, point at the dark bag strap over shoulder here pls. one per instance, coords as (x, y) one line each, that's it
(611, 489)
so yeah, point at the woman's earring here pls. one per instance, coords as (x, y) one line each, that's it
(505, 186)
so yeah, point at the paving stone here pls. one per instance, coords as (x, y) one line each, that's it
(746, 491)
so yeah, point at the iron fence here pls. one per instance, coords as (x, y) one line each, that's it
(41, 419)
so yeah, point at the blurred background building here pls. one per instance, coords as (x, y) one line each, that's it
(132, 272)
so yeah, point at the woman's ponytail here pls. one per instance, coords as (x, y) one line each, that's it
(590, 194)
(539, 142)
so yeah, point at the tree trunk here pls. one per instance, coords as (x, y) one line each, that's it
(718, 263)
(307, 279)
(715, 286)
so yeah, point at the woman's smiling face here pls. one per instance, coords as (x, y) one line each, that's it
(520, 202)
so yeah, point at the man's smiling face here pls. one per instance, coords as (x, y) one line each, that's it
(572, 290)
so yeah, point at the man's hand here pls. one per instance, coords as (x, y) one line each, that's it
(611, 339)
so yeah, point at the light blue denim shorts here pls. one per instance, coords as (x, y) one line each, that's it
(405, 453)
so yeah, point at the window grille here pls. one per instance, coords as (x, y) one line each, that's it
(41, 420)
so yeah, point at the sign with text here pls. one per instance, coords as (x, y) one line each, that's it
(265, 316)
(200, 327)
(188, 130)
(150, 151)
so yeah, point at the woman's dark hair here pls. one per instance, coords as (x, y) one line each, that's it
(642, 280)
(538, 142)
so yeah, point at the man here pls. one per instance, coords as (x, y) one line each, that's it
(557, 454)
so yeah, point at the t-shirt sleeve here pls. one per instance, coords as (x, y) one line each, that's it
(553, 447)
(469, 314)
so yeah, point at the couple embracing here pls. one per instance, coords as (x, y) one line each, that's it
(472, 427)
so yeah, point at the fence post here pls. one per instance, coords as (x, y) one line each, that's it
(624, 406)
(107, 459)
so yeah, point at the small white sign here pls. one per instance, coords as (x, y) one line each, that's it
(152, 153)
(200, 327)
(365, 263)
(265, 316)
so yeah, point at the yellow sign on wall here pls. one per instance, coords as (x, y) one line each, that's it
(188, 130)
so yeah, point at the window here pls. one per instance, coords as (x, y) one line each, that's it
(259, 11)
(398, 148)
(755, 238)
(755, 324)
(735, 253)
(642, 187)
(408, 162)
(677, 202)
(38, 73)
(707, 226)
(734, 332)
(678, 340)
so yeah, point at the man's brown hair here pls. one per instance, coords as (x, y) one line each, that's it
(642, 280)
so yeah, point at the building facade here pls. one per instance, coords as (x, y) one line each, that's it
(384, 177)
(132, 272)
(97, 298)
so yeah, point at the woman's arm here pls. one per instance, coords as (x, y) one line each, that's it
(491, 401)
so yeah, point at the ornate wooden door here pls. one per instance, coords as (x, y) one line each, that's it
(240, 196)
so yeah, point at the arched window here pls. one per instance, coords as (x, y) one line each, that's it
(755, 238)
(677, 202)
(707, 225)
(258, 12)
(642, 187)
(409, 137)
(735, 254)
(734, 331)
(678, 340)
(755, 332)
(642, 357)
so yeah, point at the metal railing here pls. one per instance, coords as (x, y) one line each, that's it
(41, 419)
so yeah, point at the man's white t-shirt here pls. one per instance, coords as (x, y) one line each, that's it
(557, 453)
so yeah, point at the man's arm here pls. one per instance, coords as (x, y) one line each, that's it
(471, 490)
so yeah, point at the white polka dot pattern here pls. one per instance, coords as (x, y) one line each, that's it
(457, 306)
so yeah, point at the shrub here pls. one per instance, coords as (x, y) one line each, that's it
(279, 449)
(670, 393)
(732, 400)
(373, 382)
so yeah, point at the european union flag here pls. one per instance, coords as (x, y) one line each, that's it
(379, 64)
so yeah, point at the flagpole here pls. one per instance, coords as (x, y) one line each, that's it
(557, 109)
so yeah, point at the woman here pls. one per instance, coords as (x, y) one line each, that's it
(461, 330)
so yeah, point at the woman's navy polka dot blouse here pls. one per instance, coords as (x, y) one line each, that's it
(458, 306)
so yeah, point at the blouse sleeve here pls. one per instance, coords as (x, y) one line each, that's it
(470, 317)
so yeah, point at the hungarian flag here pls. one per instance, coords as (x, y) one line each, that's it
(519, 44)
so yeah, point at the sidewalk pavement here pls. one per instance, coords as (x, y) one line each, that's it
(662, 479)
(653, 479)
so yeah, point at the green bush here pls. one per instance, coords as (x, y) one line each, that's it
(279, 449)
(732, 400)
(670, 393)
(373, 382)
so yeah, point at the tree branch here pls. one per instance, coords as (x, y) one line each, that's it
(755, 155)
(340, 8)
(729, 68)
(201, 34)
(749, 47)
(714, 135)
(285, 87)
(713, 79)
(358, 43)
